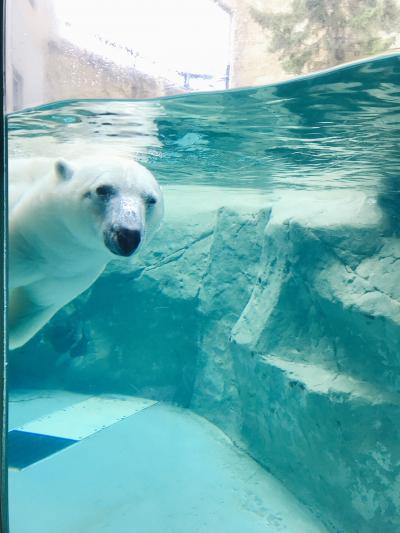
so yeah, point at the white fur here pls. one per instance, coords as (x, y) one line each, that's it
(56, 231)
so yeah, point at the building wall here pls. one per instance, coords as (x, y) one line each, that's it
(42, 67)
(75, 73)
(28, 26)
(252, 63)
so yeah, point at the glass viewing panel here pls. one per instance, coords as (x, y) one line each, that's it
(229, 365)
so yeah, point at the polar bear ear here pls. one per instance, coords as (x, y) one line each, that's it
(64, 170)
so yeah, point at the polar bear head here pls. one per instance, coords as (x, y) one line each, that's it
(112, 203)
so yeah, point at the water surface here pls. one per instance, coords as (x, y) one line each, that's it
(339, 128)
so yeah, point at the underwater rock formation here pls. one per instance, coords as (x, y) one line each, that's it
(277, 317)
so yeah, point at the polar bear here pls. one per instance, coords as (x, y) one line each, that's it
(67, 220)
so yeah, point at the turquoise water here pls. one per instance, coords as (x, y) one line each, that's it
(266, 311)
(336, 129)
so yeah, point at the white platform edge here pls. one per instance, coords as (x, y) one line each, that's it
(87, 417)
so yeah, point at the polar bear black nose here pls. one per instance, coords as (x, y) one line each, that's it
(128, 240)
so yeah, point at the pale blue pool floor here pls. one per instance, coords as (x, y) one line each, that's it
(161, 470)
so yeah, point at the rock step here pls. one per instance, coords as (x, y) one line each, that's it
(323, 381)
(329, 437)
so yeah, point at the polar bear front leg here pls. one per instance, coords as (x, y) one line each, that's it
(25, 316)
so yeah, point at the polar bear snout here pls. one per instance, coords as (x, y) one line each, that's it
(122, 241)
(128, 240)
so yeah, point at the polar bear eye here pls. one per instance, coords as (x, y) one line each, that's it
(150, 199)
(105, 191)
